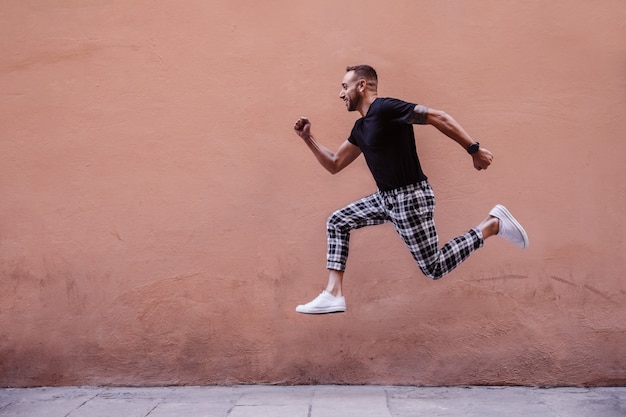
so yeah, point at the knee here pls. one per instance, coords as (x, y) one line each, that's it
(433, 277)
(433, 273)
(334, 221)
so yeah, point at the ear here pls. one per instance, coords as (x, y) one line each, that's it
(362, 84)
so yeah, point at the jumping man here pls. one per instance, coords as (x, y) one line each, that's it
(384, 134)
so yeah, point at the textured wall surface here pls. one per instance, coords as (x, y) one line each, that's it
(159, 220)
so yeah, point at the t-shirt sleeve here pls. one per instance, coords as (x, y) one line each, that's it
(405, 112)
(352, 137)
(419, 116)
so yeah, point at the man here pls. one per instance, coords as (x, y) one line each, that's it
(384, 134)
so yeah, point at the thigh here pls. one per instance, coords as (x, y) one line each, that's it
(367, 211)
(414, 221)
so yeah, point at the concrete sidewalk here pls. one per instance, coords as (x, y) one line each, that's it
(312, 401)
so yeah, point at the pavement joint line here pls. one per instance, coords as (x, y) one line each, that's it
(234, 404)
(387, 400)
(6, 405)
(153, 408)
(82, 404)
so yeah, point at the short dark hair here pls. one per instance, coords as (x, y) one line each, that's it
(365, 71)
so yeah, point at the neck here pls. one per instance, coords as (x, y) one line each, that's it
(367, 102)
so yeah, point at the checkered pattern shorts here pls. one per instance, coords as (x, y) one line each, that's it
(410, 209)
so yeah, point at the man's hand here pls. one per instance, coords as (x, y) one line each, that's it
(303, 128)
(482, 159)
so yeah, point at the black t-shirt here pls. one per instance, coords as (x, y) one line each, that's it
(385, 136)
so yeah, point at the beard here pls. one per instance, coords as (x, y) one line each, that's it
(351, 103)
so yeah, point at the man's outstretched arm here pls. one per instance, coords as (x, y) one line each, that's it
(452, 129)
(332, 161)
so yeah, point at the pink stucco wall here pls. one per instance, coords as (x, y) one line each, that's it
(159, 220)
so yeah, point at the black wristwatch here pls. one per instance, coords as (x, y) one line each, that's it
(473, 148)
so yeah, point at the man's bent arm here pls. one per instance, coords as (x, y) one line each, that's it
(333, 161)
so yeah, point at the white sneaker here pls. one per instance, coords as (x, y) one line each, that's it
(510, 229)
(323, 303)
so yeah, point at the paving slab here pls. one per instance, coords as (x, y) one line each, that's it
(312, 401)
(272, 402)
(581, 402)
(197, 402)
(366, 401)
(43, 402)
(469, 402)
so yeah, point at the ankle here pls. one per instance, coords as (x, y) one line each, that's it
(490, 227)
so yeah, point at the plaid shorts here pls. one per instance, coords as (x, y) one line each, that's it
(410, 209)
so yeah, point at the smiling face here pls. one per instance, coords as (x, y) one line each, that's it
(350, 92)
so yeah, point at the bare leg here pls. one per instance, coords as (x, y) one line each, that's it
(335, 281)
(489, 227)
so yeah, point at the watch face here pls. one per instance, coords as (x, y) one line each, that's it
(473, 148)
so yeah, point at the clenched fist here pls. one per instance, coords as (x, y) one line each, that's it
(303, 128)
(482, 159)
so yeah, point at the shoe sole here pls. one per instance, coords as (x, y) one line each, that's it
(501, 210)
